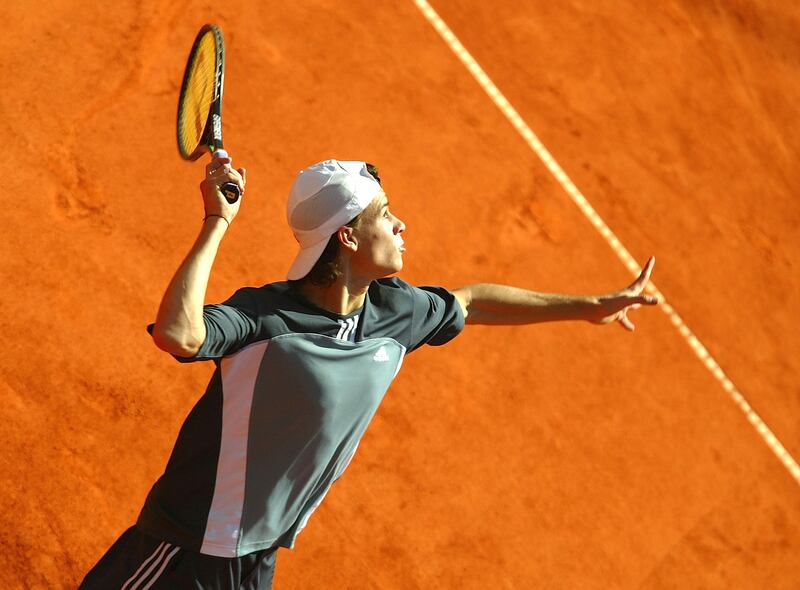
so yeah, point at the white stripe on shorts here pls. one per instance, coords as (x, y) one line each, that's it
(150, 563)
(161, 569)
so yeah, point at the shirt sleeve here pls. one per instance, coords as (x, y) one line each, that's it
(437, 316)
(230, 326)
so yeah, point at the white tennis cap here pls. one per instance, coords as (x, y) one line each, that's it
(323, 198)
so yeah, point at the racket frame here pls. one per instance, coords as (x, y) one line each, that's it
(211, 137)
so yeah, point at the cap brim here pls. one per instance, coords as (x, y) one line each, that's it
(306, 259)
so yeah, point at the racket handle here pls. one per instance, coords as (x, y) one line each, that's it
(231, 192)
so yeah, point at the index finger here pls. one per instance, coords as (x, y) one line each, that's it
(217, 164)
(644, 276)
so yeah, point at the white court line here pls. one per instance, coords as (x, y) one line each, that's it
(538, 147)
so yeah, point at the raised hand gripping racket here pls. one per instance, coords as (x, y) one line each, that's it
(200, 102)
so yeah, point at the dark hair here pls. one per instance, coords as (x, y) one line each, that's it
(326, 270)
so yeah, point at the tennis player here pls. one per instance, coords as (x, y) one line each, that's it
(301, 368)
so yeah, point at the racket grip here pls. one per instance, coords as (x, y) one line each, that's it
(231, 192)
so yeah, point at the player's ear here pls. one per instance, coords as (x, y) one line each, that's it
(347, 238)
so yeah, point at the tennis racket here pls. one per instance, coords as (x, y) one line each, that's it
(200, 102)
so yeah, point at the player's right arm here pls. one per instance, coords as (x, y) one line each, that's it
(491, 304)
(179, 328)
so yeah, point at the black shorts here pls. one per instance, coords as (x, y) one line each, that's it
(139, 562)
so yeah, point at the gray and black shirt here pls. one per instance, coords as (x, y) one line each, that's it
(294, 389)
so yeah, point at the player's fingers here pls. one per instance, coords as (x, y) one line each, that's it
(231, 173)
(218, 159)
(645, 300)
(220, 170)
(234, 176)
(626, 323)
(218, 166)
(644, 276)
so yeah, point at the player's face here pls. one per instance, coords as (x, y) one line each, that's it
(380, 244)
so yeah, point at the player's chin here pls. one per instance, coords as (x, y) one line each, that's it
(395, 266)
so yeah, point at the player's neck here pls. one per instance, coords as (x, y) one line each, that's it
(341, 298)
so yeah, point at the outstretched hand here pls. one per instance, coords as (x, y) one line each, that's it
(614, 307)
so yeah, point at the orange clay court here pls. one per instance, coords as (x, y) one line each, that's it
(561, 455)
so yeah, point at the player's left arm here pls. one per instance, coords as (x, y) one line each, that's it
(491, 304)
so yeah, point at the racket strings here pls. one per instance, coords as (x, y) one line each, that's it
(198, 94)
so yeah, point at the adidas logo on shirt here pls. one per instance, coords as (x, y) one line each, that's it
(381, 356)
